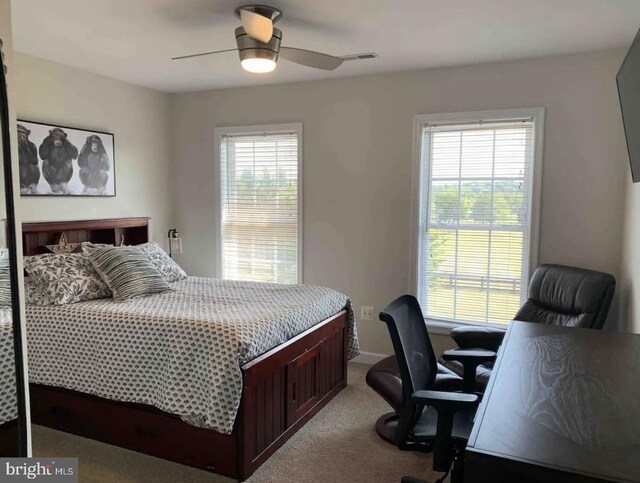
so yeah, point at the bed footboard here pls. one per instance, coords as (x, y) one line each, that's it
(284, 389)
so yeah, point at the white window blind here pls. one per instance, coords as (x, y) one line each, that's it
(260, 193)
(475, 227)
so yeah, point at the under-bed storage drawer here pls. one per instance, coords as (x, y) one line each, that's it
(133, 426)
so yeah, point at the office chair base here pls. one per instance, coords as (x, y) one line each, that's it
(386, 426)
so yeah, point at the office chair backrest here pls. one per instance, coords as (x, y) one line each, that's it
(411, 343)
(569, 296)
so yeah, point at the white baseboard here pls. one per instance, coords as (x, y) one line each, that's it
(369, 358)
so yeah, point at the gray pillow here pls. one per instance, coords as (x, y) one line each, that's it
(65, 278)
(126, 270)
(169, 269)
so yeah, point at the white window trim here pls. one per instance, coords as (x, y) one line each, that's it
(218, 134)
(537, 114)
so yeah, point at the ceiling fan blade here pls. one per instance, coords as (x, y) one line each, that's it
(202, 54)
(257, 27)
(310, 58)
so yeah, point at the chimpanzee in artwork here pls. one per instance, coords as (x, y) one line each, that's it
(28, 162)
(57, 155)
(94, 166)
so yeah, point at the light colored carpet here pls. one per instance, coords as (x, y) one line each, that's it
(338, 444)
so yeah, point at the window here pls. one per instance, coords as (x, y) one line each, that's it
(260, 211)
(476, 225)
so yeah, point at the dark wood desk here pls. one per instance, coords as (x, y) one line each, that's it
(563, 405)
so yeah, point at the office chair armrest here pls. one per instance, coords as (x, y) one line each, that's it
(489, 338)
(469, 356)
(470, 360)
(449, 402)
(446, 404)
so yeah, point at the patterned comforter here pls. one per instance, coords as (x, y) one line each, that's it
(180, 351)
(8, 401)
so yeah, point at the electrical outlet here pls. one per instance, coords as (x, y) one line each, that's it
(366, 312)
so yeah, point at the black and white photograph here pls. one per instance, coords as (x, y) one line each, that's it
(58, 160)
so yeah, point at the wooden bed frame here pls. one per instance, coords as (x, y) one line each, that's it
(282, 389)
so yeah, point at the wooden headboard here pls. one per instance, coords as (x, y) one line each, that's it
(131, 231)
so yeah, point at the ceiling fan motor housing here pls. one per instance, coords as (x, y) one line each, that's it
(249, 48)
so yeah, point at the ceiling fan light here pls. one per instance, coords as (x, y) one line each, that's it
(258, 65)
(255, 56)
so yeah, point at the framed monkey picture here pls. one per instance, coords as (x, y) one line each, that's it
(58, 160)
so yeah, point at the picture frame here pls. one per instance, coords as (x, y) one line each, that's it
(58, 160)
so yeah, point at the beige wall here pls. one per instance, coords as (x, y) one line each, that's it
(138, 117)
(357, 165)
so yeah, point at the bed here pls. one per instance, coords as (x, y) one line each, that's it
(8, 400)
(213, 374)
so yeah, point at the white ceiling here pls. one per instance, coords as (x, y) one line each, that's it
(133, 40)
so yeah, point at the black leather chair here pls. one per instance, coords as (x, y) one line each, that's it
(430, 420)
(558, 295)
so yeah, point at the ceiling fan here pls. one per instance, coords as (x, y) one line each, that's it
(259, 43)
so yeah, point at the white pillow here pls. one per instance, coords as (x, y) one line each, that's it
(169, 269)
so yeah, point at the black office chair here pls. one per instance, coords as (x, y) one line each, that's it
(558, 295)
(430, 420)
(384, 378)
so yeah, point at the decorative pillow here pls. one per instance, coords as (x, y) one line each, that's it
(169, 269)
(126, 270)
(35, 292)
(67, 278)
(5, 280)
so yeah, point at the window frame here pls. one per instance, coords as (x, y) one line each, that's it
(537, 114)
(219, 133)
